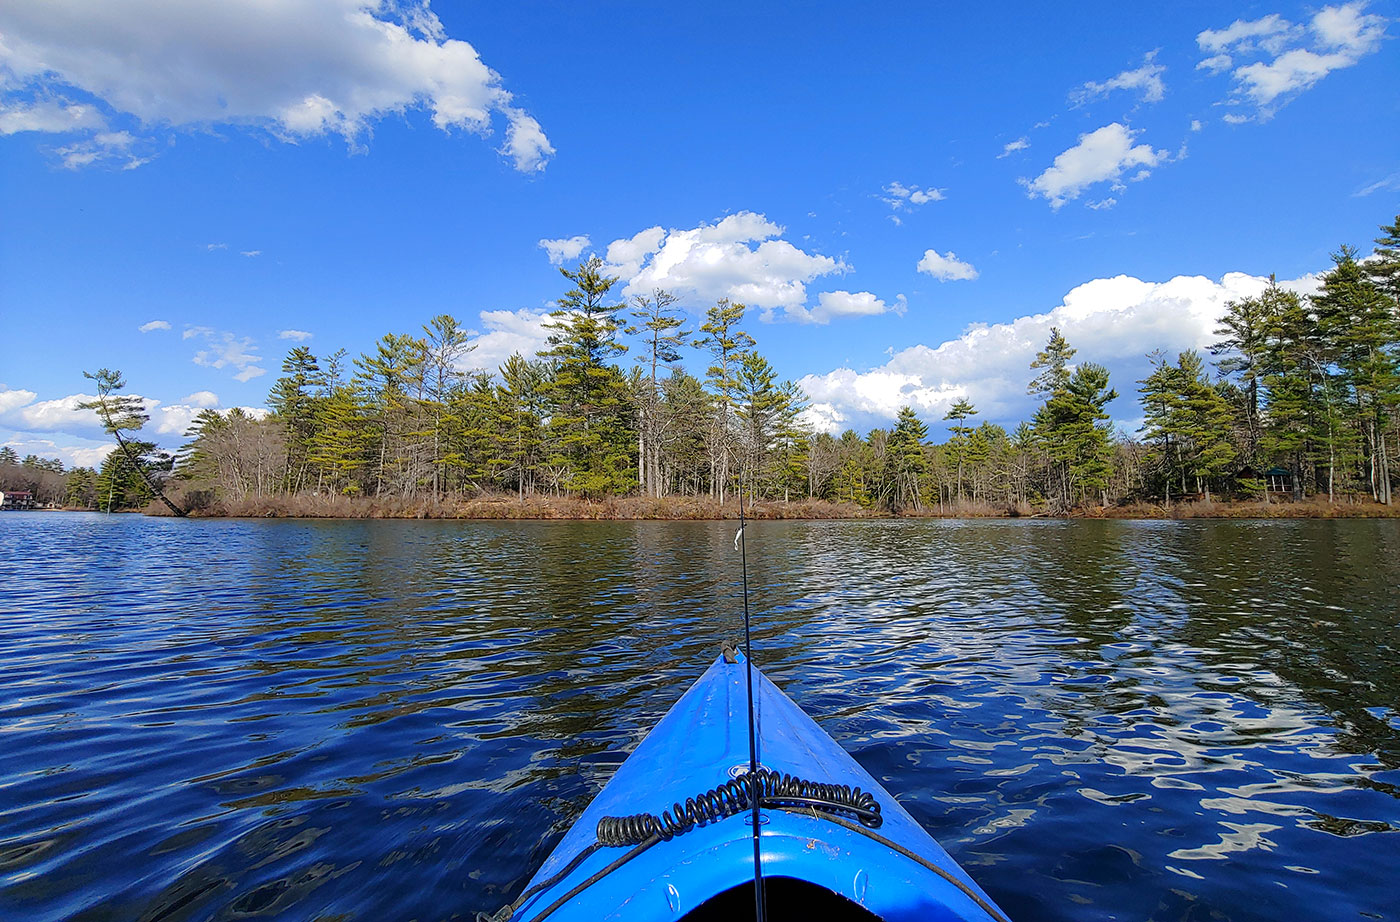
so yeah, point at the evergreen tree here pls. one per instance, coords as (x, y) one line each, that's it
(1358, 323)
(1189, 419)
(1053, 361)
(727, 345)
(905, 455)
(121, 413)
(1070, 425)
(292, 401)
(591, 421)
(960, 412)
(661, 326)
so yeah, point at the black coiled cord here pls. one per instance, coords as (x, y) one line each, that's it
(773, 788)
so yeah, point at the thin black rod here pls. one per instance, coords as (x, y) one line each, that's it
(759, 903)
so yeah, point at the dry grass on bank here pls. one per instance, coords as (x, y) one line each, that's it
(1313, 507)
(504, 506)
(507, 506)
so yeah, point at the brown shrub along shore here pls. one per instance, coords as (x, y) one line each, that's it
(700, 508)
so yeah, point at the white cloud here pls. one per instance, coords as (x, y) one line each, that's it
(202, 399)
(946, 267)
(901, 197)
(526, 142)
(1216, 64)
(300, 336)
(1292, 59)
(48, 116)
(108, 147)
(626, 256)
(13, 399)
(832, 304)
(1196, 124)
(1390, 182)
(175, 419)
(740, 258)
(211, 247)
(564, 249)
(250, 253)
(507, 332)
(1113, 321)
(1100, 156)
(295, 68)
(1013, 146)
(1269, 33)
(19, 410)
(1146, 80)
(225, 350)
(152, 325)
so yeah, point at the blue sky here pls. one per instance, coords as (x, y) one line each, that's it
(908, 196)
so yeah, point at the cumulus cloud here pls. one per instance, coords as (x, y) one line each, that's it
(20, 410)
(1100, 156)
(946, 268)
(294, 69)
(153, 325)
(833, 304)
(201, 399)
(1289, 59)
(225, 350)
(741, 258)
(300, 336)
(1113, 321)
(564, 249)
(901, 197)
(14, 398)
(507, 332)
(1012, 146)
(1145, 80)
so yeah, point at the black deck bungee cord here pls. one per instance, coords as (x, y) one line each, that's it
(773, 788)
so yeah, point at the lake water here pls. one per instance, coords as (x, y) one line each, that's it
(397, 720)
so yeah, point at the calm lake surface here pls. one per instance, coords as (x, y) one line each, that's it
(398, 720)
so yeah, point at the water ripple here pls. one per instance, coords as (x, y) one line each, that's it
(397, 720)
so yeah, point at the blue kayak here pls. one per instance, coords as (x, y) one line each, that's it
(671, 834)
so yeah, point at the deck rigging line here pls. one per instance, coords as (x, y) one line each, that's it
(760, 903)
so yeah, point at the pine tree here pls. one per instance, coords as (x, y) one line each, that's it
(727, 345)
(1054, 359)
(957, 446)
(591, 419)
(121, 413)
(905, 455)
(1358, 323)
(661, 327)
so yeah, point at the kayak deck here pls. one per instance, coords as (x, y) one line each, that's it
(815, 864)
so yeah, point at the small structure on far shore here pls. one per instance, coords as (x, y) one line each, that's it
(16, 499)
(1279, 480)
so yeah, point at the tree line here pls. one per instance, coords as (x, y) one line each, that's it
(1299, 393)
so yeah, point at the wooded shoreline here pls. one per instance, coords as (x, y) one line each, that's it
(679, 509)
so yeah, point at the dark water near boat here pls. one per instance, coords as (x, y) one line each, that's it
(397, 720)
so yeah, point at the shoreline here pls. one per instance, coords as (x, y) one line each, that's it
(681, 509)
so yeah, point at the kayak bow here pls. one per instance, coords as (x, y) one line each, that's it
(671, 836)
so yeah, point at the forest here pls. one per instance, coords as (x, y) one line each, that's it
(1296, 399)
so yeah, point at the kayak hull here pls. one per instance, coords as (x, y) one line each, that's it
(896, 872)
